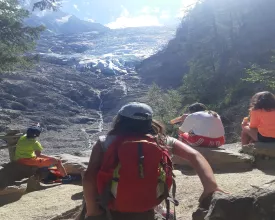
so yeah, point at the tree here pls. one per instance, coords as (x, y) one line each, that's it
(218, 41)
(257, 74)
(45, 4)
(213, 51)
(16, 39)
(166, 105)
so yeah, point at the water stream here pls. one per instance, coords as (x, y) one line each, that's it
(119, 81)
(100, 114)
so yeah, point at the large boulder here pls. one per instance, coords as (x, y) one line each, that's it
(222, 159)
(264, 154)
(74, 164)
(254, 204)
(260, 148)
(13, 172)
(17, 179)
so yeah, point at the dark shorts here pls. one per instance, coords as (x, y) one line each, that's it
(262, 138)
(150, 215)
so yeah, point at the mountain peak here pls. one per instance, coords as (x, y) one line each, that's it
(62, 23)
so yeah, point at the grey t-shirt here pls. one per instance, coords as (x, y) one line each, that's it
(107, 140)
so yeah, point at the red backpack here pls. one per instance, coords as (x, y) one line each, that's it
(136, 174)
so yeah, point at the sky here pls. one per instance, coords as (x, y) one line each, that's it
(129, 13)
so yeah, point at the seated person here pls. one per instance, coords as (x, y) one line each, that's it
(262, 119)
(196, 107)
(201, 127)
(28, 152)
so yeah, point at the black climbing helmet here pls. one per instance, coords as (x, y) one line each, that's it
(33, 132)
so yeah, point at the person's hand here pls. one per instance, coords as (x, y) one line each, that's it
(209, 192)
(244, 124)
(183, 117)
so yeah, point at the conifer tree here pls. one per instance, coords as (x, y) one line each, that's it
(16, 39)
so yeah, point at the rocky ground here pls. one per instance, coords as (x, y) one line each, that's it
(189, 187)
(60, 202)
(66, 198)
(56, 201)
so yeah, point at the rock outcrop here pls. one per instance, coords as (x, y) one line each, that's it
(254, 204)
(13, 172)
(74, 164)
(17, 179)
(227, 158)
(260, 148)
(264, 154)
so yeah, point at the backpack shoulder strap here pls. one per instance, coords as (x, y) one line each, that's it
(110, 158)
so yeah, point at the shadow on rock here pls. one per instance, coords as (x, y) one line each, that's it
(77, 196)
(12, 172)
(10, 198)
(17, 180)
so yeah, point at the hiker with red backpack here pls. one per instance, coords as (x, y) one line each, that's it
(130, 170)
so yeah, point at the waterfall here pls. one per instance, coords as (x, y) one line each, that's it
(121, 83)
(100, 114)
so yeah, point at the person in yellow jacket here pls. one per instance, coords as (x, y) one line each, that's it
(28, 152)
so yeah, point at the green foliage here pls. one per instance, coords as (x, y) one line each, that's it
(46, 4)
(214, 47)
(218, 41)
(15, 38)
(166, 105)
(264, 76)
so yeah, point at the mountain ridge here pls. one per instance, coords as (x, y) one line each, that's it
(63, 23)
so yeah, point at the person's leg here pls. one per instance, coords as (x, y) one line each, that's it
(245, 139)
(187, 138)
(48, 161)
(248, 135)
(61, 168)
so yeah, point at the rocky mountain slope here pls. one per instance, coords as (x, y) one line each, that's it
(221, 55)
(78, 86)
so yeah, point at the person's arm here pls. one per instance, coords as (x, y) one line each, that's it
(37, 147)
(183, 117)
(178, 119)
(200, 165)
(38, 153)
(89, 181)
